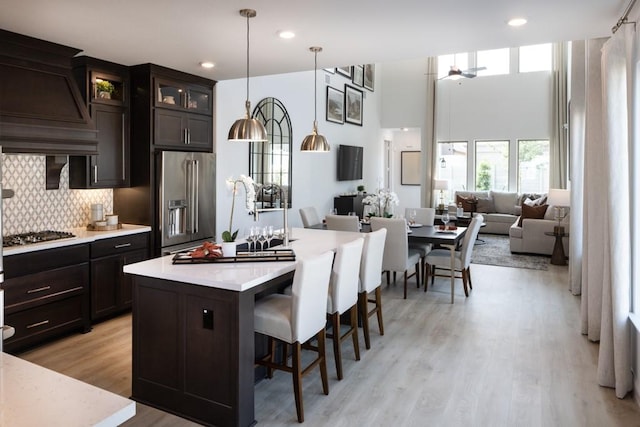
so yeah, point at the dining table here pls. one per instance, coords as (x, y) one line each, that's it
(449, 238)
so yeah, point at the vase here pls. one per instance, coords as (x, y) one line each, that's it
(104, 95)
(228, 249)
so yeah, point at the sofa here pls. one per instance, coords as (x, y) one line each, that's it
(529, 236)
(500, 209)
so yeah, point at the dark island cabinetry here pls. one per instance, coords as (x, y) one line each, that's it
(46, 294)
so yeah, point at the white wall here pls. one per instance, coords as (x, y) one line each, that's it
(314, 174)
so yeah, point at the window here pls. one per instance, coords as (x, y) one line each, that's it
(495, 61)
(452, 166)
(533, 166)
(492, 165)
(445, 62)
(535, 58)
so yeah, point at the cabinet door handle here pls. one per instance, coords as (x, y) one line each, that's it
(184, 135)
(33, 291)
(35, 325)
(95, 174)
(122, 245)
(188, 136)
(124, 163)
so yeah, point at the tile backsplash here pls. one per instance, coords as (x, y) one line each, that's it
(34, 208)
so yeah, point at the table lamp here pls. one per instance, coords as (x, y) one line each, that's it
(560, 199)
(441, 184)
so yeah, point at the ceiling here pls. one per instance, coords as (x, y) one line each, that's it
(181, 34)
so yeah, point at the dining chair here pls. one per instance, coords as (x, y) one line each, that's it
(398, 257)
(295, 319)
(343, 297)
(370, 281)
(309, 216)
(425, 217)
(460, 261)
(343, 222)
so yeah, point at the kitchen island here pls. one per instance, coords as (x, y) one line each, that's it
(193, 336)
(31, 395)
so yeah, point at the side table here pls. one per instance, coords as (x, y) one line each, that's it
(558, 257)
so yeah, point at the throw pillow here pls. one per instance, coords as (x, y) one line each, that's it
(485, 206)
(468, 203)
(535, 212)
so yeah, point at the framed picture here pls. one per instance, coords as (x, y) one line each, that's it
(410, 167)
(330, 70)
(335, 105)
(345, 71)
(358, 75)
(369, 76)
(353, 105)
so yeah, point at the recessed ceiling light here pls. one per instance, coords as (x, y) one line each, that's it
(207, 64)
(517, 22)
(285, 34)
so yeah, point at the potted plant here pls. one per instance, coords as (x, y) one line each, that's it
(360, 189)
(229, 235)
(104, 88)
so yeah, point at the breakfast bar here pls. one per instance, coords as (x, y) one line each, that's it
(193, 335)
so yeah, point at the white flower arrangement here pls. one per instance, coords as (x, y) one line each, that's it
(383, 200)
(250, 190)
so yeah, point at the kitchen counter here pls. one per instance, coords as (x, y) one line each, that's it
(242, 276)
(31, 395)
(82, 236)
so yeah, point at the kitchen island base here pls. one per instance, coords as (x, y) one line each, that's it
(194, 350)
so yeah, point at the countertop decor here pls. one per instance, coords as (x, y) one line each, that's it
(229, 235)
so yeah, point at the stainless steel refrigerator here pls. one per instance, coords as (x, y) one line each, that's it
(186, 202)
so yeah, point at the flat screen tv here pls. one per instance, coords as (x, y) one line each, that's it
(349, 163)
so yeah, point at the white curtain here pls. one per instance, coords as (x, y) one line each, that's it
(558, 153)
(606, 271)
(428, 145)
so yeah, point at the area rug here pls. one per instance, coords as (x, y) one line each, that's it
(495, 251)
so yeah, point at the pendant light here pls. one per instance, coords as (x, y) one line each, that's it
(314, 141)
(247, 129)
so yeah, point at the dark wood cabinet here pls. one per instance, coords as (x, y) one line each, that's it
(110, 287)
(346, 204)
(109, 111)
(46, 294)
(171, 109)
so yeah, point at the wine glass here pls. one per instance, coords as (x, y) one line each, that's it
(445, 219)
(269, 236)
(412, 217)
(251, 238)
(262, 237)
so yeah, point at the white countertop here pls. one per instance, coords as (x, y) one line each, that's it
(82, 236)
(242, 276)
(31, 395)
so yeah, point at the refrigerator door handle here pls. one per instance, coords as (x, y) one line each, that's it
(196, 194)
(190, 197)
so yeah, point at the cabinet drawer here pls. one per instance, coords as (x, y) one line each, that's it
(37, 261)
(36, 324)
(117, 245)
(36, 289)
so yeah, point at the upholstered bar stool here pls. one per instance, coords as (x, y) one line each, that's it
(295, 319)
(343, 223)
(370, 281)
(398, 256)
(343, 297)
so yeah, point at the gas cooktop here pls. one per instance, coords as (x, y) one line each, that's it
(34, 237)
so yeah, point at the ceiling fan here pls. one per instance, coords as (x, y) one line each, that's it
(455, 72)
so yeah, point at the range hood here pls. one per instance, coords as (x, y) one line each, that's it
(41, 107)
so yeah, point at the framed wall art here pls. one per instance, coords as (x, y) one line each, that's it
(353, 105)
(410, 167)
(358, 75)
(345, 71)
(369, 76)
(335, 105)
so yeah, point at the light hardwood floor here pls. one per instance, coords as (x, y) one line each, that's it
(510, 354)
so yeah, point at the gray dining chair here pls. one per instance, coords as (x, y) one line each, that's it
(343, 223)
(441, 258)
(309, 217)
(398, 256)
